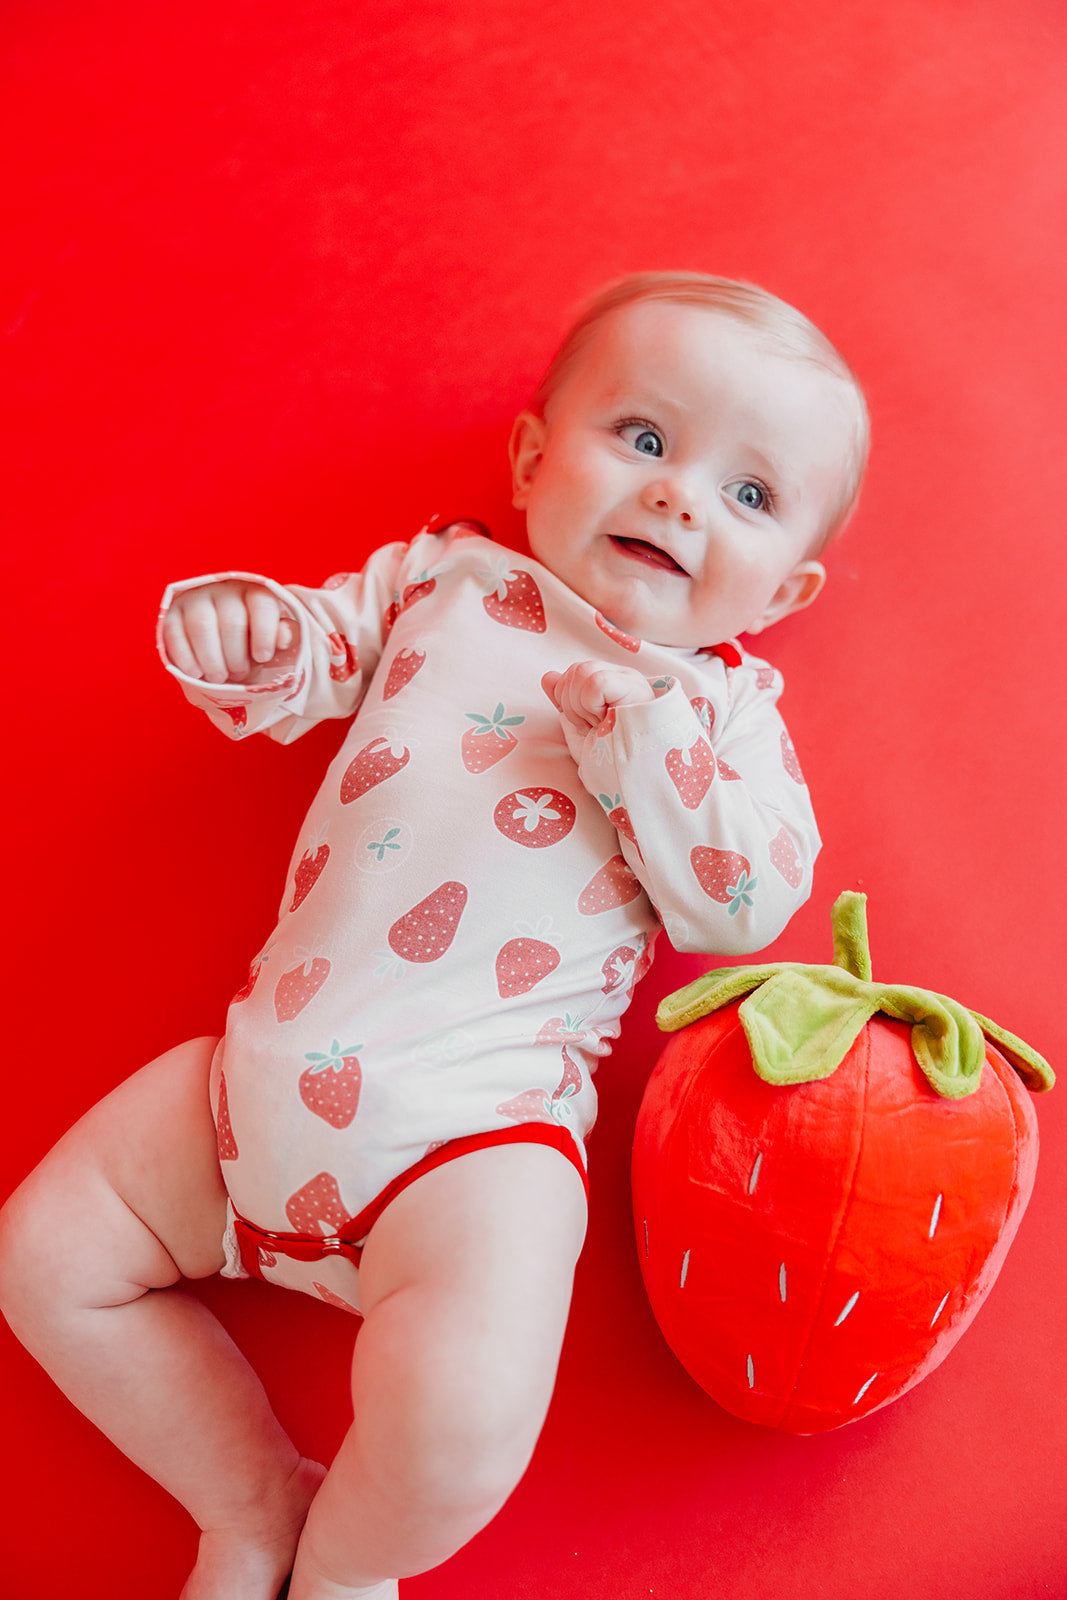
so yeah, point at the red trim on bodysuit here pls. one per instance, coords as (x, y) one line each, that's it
(314, 1247)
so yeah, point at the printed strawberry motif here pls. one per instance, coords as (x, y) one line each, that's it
(250, 982)
(344, 662)
(490, 740)
(298, 986)
(614, 885)
(281, 683)
(726, 772)
(535, 817)
(561, 1030)
(425, 932)
(402, 669)
(421, 589)
(619, 968)
(370, 766)
(317, 1207)
(522, 963)
(691, 771)
(789, 759)
(784, 859)
(227, 1143)
(625, 639)
(532, 1105)
(330, 1086)
(646, 954)
(337, 580)
(723, 875)
(705, 711)
(619, 818)
(607, 723)
(537, 1105)
(514, 600)
(238, 715)
(332, 1299)
(764, 677)
(308, 871)
(423, 586)
(571, 1081)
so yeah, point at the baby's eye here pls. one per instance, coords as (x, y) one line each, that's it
(645, 440)
(748, 494)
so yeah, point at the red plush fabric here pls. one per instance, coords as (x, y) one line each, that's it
(812, 1251)
(274, 280)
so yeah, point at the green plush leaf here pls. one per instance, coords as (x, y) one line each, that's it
(801, 1024)
(709, 993)
(947, 1042)
(1032, 1068)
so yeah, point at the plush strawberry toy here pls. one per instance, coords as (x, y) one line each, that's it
(827, 1175)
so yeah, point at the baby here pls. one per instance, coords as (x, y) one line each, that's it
(556, 755)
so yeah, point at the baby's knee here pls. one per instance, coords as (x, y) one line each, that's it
(471, 1451)
(49, 1245)
(24, 1270)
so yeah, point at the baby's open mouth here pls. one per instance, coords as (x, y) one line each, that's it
(641, 550)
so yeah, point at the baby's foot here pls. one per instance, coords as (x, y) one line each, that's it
(252, 1560)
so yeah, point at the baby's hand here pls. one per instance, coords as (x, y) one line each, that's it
(221, 631)
(586, 692)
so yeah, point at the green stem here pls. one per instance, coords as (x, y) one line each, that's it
(851, 949)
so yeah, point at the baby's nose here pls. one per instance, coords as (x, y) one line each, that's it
(674, 500)
(683, 514)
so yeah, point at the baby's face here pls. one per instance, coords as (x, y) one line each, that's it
(683, 473)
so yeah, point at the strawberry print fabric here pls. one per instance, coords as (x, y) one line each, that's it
(476, 890)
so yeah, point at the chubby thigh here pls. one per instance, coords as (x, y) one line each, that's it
(488, 1243)
(466, 1282)
(132, 1197)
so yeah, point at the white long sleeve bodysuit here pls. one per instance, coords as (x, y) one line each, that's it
(477, 887)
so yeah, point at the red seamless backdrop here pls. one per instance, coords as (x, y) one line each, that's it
(274, 280)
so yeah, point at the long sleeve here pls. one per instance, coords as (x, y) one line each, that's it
(715, 822)
(340, 633)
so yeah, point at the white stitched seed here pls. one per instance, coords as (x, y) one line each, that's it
(846, 1309)
(781, 1282)
(750, 1372)
(685, 1269)
(646, 1238)
(936, 1216)
(866, 1386)
(939, 1310)
(754, 1178)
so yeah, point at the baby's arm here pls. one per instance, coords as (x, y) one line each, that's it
(257, 657)
(715, 822)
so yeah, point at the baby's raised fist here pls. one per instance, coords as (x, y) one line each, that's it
(588, 690)
(220, 632)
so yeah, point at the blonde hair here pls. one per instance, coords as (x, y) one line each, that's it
(788, 332)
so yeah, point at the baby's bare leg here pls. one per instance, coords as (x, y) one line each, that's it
(91, 1249)
(466, 1280)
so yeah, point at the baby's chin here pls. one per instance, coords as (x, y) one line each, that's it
(643, 619)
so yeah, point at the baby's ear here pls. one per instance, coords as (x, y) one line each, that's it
(798, 591)
(525, 449)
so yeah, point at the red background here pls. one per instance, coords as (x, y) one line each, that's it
(275, 279)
